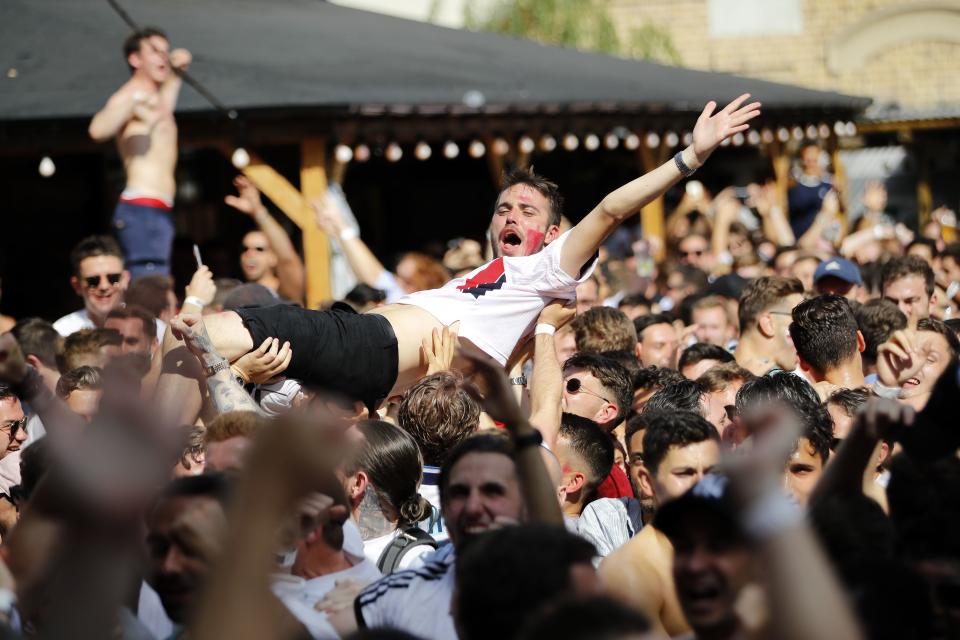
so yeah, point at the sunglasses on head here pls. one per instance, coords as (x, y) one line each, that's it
(574, 385)
(93, 282)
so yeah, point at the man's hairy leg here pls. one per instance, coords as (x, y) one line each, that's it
(182, 383)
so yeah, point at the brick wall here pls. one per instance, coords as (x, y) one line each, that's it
(918, 73)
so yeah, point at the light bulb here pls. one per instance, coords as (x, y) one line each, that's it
(47, 168)
(361, 153)
(570, 142)
(343, 153)
(672, 139)
(611, 141)
(476, 149)
(501, 147)
(548, 143)
(652, 140)
(450, 150)
(393, 152)
(240, 158)
(591, 142)
(422, 151)
(632, 141)
(753, 137)
(526, 144)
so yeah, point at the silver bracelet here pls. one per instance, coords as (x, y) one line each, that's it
(681, 165)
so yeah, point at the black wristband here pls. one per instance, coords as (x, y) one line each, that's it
(28, 388)
(532, 439)
(681, 165)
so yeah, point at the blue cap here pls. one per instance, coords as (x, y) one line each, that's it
(838, 268)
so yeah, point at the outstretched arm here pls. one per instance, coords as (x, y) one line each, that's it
(225, 392)
(289, 265)
(361, 260)
(711, 129)
(119, 109)
(546, 386)
(179, 60)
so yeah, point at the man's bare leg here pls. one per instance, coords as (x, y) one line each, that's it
(182, 383)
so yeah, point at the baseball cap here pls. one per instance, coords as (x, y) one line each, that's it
(711, 495)
(838, 268)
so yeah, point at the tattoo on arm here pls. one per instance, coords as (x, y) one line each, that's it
(370, 519)
(228, 395)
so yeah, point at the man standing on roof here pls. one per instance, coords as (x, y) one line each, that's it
(140, 116)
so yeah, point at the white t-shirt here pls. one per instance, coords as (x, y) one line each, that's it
(416, 601)
(373, 549)
(300, 595)
(497, 304)
(73, 322)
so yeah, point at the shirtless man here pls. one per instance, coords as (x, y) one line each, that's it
(373, 356)
(679, 448)
(140, 116)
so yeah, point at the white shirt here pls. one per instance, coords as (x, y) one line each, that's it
(73, 322)
(416, 601)
(373, 549)
(498, 304)
(300, 595)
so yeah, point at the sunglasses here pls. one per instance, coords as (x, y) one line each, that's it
(244, 248)
(687, 254)
(574, 385)
(14, 426)
(93, 282)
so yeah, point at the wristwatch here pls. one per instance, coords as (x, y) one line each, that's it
(214, 369)
(520, 381)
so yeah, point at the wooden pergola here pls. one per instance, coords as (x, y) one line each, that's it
(319, 75)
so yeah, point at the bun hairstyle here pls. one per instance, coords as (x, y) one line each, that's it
(415, 509)
(392, 461)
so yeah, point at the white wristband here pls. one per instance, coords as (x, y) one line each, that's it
(544, 329)
(194, 300)
(349, 233)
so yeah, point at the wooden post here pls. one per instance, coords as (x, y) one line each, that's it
(840, 183)
(283, 194)
(316, 246)
(652, 215)
(781, 171)
(924, 193)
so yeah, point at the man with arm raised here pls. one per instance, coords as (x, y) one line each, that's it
(378, 354)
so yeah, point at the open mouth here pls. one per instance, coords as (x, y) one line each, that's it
(510, 238)
(701, 594)
(912, 382)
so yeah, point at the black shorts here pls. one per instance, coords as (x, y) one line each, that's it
(338, 349)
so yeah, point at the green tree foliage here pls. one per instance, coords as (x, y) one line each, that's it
(581, 24)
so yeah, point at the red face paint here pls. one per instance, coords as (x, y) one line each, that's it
(565, 468)
(533, 242)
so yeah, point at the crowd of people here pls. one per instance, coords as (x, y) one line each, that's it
(550, 436)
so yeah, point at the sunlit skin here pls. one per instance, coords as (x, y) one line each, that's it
(565, 344)
(588, 296)
(636, 467)
(133, 338)
(917, 389)
(950, 269)
(694, 371)
(482, 490)
(10, 412)
(717, 403)
(803, 270)
(694, 250)
(153, 59)
(802, 471)
(783, 264)
(658, 346)
(842, 423)
(521, 222)
(713, 326)
(592, 400)
(84, 402)
(103, 298)
(683, 467)
(909, 293)
(257, 259)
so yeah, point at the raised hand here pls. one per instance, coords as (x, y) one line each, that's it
(328, 216)
(557, 313)
(266, 362)
(248, 199)
(190, 328)
(499, 401)
(901, 357)
(438, 352)
(180, 59)
(713, 128)
(202, 286)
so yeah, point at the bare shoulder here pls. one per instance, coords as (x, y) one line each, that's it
(633, 561)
